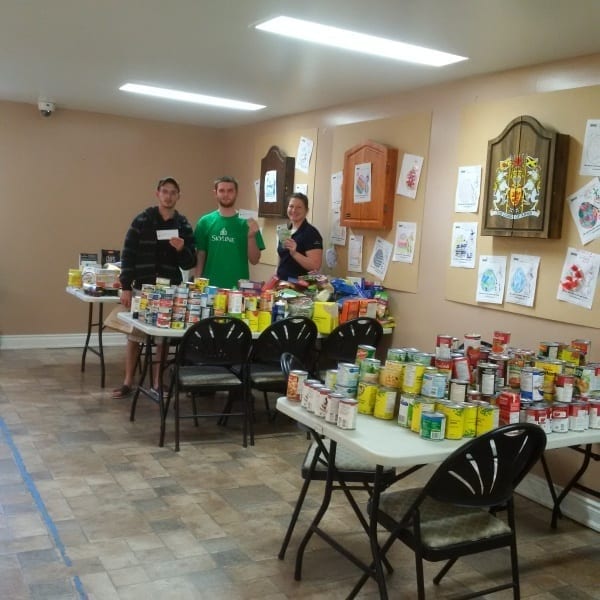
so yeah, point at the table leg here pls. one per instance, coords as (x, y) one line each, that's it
(100, 346)
(87, 337)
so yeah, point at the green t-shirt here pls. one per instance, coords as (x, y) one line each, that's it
(225, 241)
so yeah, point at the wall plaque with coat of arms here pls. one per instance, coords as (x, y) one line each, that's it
(526, 174)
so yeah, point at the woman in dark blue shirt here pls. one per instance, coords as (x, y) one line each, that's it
(302, 253)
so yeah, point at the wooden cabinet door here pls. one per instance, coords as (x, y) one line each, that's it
(379, 211)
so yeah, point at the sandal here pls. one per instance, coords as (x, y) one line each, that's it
(121, 392)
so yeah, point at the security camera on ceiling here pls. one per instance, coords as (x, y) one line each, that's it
(46, 108)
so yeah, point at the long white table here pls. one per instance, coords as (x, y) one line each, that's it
(385, 444)
(92, 301)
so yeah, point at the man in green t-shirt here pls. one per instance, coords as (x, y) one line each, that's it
(224, 241)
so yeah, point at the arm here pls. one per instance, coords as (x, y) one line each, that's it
(253, 249)
(129, 253)
(185, 246)
(200, 262)
(311, 262)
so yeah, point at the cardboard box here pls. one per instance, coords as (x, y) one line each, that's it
(325, 316)
(349, 310)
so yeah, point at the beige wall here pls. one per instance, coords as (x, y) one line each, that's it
(72, 183)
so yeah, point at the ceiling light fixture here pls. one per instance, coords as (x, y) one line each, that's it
(157, 92)
(358, 42)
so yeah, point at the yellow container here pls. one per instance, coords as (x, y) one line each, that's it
(470, 420)
(385, 403)
(74, 278)
(455, 421)
(264, 319)
(420, 406)
(366, 394)
(251, 317)
(391, 374)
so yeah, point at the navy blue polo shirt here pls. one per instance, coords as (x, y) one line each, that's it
(307, 238)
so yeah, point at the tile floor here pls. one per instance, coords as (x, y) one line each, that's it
(90, 507)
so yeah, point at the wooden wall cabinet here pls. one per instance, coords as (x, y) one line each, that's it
(526, 175)
(276, 183)
(379, 211)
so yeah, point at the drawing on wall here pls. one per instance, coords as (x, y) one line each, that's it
(380, 258)
(271, 186)
(579, 277)
(410, 173)
(522, 279)
(468, 189)
(305, 148)
(464, 245)
(404, 244)
(590, 155)
(490, 279)
(584, 205)
(362, 183)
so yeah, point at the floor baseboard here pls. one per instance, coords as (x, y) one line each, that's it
(60, 340)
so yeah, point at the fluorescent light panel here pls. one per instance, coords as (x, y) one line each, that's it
(148, 90)
(358, 42)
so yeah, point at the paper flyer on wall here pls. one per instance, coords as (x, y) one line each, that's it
(468, 189)
(305, 148)
(355, 246)
(522, 279)
(301, 188)
(490, 279)
(337, 232)
(404, 244)
(380, 258)
(584, 205)
(464, 245)
(579, 277)
(271, 186)
(362, 183)
(410, 173)
(590, 154)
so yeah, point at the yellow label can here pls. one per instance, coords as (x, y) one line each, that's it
(420, 405)
(455, 421)
(385, 403)
(264, 319)
(470, 420)
(366, 394)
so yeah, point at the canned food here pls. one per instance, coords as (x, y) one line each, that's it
(420, 406)
(488, 417)
(320, 409)
(347, 410)
(424, 358)
(369, 370)
(594, 414)
(461, 369)
(396, 354)
(331, 377)
(333, 403)
(472, 345)
(500, 341)
(549, 349)
(296, 379)
(579, 417)
(540, 414)
(564, 388)
(385, 403)
(551, 369)
(560, 417)
(501, 374)
(366, 394)
(433, 384)
(433, 426)
(391, 373)
(443, 345)
(413, 377)
(405, 409)
(532, 380)
(364, 351)
(458, 390)
(469, 420)
(455, 420)
(347, 374)
(486, 378)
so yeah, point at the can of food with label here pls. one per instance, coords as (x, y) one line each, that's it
(396, 354)
(306, 395)
(540, 414)
(532, 380)
(500, 341)
(433, 426)
(579, 416)
(366, 393)
(594, 413)
(405, 409)
(461, 369)
(501, 374)
(369, 370)
(551, 369)
(331, 378)
(488, 417)
(320, 408)
(413, 377)
(560, 417)
(346, 390)
(391, 374)
(470, 420)
(433, 385)
(420, 405)
(455, 420)
(458, 390)
(347, 410)
(563, 391)
(385, 403)
(443, 345)
(295, 383)
(333, 403)
(548, 349)
(486, 378)
(364, 351)
(424, 358)
(347, 375)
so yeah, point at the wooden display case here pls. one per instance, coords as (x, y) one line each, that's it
(526, 174)
(377, 212)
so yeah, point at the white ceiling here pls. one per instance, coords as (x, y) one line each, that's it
(78, 52)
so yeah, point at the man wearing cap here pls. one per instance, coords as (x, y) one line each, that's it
(147, 255)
